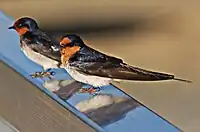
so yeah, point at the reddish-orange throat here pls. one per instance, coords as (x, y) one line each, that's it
(22, 31)
(67, 53)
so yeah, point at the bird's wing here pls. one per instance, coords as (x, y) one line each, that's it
(55, 55)
(48, 51)
(88, 54)
(43, 35)
(119, 71)
(91, 62)
(40, 42)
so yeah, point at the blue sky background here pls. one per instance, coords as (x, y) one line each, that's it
(138, 120)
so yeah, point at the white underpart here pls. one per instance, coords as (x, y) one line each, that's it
(38, 58)
(87, 79)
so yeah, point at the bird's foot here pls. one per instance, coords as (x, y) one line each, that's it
(48, 70)
(91, 90)
(43, 74)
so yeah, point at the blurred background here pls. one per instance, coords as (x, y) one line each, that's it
(160, 35)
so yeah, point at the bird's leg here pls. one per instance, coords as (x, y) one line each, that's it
(35, 75)
(59, 64)
(47, 73)
(50, 74)
(48, 70)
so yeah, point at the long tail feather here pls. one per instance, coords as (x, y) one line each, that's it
(182, 80)
(142, 74)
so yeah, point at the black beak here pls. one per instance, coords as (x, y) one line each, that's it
(12, 27)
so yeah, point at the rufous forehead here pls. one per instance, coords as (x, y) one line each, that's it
(65, 40)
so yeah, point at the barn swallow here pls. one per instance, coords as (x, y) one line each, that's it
(97, 69)
(37, 45)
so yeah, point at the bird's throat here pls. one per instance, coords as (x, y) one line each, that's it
(22, 31)
(67, 53)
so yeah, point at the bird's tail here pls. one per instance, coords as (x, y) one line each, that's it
(182, 80)
(147, 75)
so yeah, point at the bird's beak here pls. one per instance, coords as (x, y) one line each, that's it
(12, 27)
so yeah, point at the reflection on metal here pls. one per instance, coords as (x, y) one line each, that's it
(63, 88)
(6, 126)
(106, 108)
(109, 110)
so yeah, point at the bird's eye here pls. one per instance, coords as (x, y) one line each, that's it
(67, 45)
(20, 25)
(70, 44)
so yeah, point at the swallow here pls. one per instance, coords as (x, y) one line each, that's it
(37, 45)
(97, 69)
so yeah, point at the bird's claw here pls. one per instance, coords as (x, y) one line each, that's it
(43, 74)
(35, 75)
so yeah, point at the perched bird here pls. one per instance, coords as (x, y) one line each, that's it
(37, 45)
(97, 69)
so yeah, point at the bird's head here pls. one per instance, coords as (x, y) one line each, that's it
(71, 40)
(24, 25)
(70, 44)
